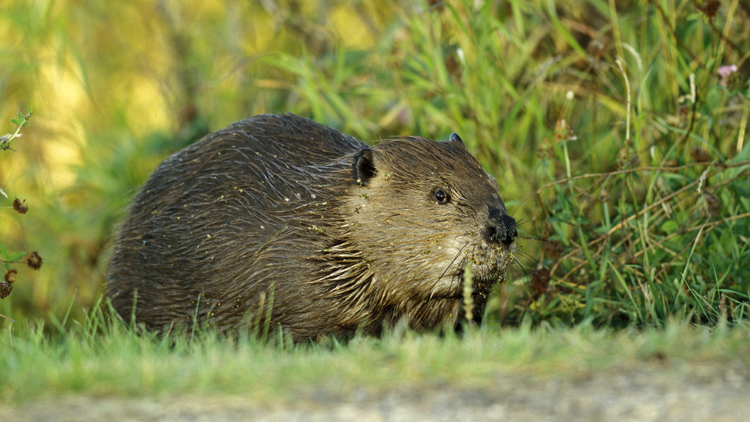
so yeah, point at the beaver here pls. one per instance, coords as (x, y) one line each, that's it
(280, 221)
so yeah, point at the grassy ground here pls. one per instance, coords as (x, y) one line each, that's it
(610, 126)
(616, 129)
(100, 359)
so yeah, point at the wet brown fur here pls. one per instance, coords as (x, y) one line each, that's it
(281, 213)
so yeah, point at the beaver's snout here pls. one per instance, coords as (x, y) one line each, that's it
(501, 228)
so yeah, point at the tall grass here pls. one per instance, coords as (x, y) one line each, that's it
(617, 143)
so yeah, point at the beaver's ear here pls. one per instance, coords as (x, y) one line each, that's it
(457, 139)
(364, 166)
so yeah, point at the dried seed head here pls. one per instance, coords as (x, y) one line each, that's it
(20, 206)
(34, 261)
(453, 66)
(540, 277)
(5, 289)
(700, 155)
(710, 8)
(552, 249)
(10, 276)
(713, 203)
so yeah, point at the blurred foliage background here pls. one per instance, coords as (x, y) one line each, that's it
(651, 96)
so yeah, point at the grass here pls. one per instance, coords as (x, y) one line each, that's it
(101, 358)
(618, 146)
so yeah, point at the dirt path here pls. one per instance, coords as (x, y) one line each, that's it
(708, 393)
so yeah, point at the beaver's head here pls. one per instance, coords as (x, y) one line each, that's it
(419, 213)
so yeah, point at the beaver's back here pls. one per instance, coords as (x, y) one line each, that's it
(221, 219)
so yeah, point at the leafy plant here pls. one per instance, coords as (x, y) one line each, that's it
(7, 258)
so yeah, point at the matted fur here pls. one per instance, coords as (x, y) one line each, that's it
(338, 235)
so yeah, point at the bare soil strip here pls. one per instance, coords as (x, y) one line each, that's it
(712, 392)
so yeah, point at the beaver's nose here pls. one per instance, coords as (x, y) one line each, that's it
(501, 228)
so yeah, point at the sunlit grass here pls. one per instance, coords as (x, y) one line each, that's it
(542, 92)
(101, 358)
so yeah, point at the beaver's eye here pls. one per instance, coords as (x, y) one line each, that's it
(441, 196)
